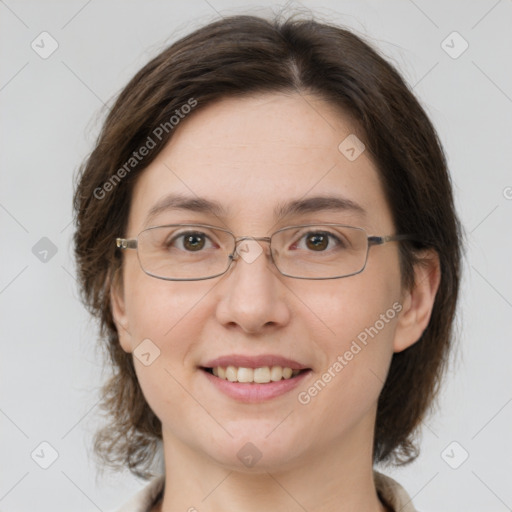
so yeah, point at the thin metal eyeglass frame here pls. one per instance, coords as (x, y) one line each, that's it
(132, 243)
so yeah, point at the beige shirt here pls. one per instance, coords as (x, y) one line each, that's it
(390, 491)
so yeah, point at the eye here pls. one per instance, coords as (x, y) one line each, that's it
(317, 241)
(320, 241)
(191, 241)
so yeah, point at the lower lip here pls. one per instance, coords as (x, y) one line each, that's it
(252, 392)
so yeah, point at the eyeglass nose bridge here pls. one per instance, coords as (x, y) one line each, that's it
(235, 255)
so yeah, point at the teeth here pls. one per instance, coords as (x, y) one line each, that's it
(262, 375)
(276, 373)
(231, 373)
(245, 375)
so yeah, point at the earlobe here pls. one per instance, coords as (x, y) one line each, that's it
(418, 301)
(118, 306)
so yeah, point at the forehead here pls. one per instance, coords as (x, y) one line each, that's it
(253, 155)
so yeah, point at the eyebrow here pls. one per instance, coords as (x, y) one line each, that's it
(294, 207)
(318, 204)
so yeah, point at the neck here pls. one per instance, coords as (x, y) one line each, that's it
(335, 479)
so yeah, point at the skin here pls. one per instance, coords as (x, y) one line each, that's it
(261, 151)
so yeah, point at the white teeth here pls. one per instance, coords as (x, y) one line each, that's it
(276, 373)
(262, 375)
(231, 373)
(245, 375)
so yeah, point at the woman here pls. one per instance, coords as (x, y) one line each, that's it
(266, 231)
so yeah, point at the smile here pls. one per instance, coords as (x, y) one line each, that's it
(254, 378)
(261, 375)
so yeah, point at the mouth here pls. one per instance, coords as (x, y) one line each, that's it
(252, 379)
(260, 375)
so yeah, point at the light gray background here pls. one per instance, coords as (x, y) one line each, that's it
(50, 370)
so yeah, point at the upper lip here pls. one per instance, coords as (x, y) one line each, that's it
(245, 361)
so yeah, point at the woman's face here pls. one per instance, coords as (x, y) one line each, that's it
(253, 156)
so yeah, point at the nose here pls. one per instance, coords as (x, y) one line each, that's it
(252, 295)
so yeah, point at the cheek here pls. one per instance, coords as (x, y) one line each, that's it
(159, 310)
(351, 306)
(361, 313)
(169, 315)
(167, 318)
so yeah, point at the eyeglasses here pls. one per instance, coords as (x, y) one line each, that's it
(190, 252)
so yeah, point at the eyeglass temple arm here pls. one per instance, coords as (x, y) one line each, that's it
(125, 243)
(379, 240)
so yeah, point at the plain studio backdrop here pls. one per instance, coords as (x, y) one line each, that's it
(457, 55)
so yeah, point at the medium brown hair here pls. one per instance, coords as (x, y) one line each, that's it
(242, 55)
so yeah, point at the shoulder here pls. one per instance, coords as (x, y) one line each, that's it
(144, 500)
(393, 493)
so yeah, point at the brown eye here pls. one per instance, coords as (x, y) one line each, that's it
(193, 241)
(317, 241)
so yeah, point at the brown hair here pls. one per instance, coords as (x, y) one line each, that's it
(243, 55)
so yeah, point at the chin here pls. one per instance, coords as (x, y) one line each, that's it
(258, 453)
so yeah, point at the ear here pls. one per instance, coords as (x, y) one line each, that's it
(118, 307)
(417, 302)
